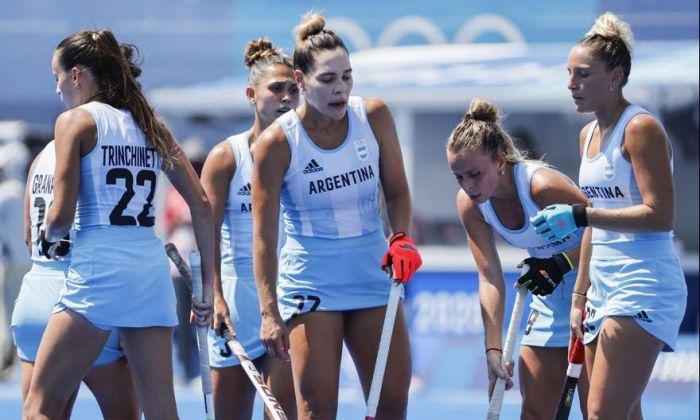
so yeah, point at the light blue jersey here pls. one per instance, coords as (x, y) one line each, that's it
(548, 323)
(42, 285)
(332, 193)
(237, 278)
(331, 257)
(632, 274)
(118, 177)
(119, 274)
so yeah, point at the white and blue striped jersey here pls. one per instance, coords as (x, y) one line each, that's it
(237, 226)
(608, 181)
(41, 197)
(332, 193)
(118, 177)
(525, 237)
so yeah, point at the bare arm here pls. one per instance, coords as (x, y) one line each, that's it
(271, 161)
(27, 207)
(549, 186)
(216, 177)
(491, 284)
(583, 282)
(75, 133)
(184, 179)
(647, 147)
(392, 173)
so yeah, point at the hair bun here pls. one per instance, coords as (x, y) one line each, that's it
(258, 49)
(311, 24)
(482, 110)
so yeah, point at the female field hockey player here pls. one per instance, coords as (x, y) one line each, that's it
(637, 293)
(325, 162)
(110, 148)
(109, 379)
(226, 178)
(500, 191)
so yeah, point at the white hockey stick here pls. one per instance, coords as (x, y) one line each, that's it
(194, 277)
(383, 351)
(496, 401)
(274, 408)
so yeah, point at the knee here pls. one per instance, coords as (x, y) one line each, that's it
(532, 410)
(37, 407)
(392, 405)
(318, 409)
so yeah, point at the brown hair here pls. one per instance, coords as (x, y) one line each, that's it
(480, 131)
(610, 39)
(311, 38)
(259, 55)
(115, 69)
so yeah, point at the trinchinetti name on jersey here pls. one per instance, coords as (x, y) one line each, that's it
(42, 184)
(139, 156)
(341, 181)
(602, 192)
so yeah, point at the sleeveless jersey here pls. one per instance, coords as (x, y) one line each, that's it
(118, 177)
(525, 237)
(41, 197)
(332, 193)
(608, 180)
(237, 226)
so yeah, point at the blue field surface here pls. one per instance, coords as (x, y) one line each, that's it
(672, 393)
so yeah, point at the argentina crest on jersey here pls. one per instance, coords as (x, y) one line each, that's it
(361, 149)
(609, 169)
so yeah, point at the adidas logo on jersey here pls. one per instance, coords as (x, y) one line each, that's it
(312, 167)
(245, 190)
(642, 316)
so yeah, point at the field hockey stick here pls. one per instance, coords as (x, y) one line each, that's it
(194, 275)
(496, 402)
(383, 351)
(274, 408)
(573, 372)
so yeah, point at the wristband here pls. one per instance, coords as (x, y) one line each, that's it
(494, 348)
(578, 293)
(579, 214)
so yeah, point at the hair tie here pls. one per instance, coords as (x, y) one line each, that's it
(467, 116)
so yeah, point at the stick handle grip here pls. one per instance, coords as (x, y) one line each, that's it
(383, 351)
(496, 402)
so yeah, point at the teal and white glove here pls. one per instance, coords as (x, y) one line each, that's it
(559, 220)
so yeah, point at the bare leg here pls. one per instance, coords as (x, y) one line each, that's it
(624, 358)
(363, 330)
(149, 352)
(316, 340)
(114, 391)
(233, 392)
(68, 348)
(278, 375)
(542, 374)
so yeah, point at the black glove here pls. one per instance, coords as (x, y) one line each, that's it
(544, 274)
(51, 250)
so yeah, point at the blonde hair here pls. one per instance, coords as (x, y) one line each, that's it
(480, 131)
(610, 39)
(312, 36)
(261, 54)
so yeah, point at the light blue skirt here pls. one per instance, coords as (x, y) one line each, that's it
(241, 296)
(548, 323)
(40, 290)
(317, 274)
(120, 277)
(643, 280)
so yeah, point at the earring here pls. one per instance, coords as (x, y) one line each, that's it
(501, 172)
(611, 88)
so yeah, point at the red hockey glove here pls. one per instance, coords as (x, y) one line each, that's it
(402, 257)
